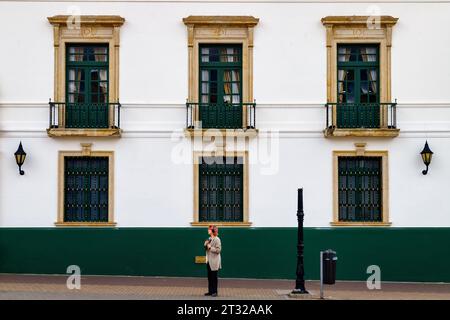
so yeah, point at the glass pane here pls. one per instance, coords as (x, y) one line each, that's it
(213, 87)
(103, 87)
(94, 74)
(205, 75)
(227, 99)
(205, 87)
(76, 74)
(213, 75)
(235, 75)
(94, 87)
(221, 53)
(103, 75)
(235, 88)
(343, 54)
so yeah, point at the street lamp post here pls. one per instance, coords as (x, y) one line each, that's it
(300, 280)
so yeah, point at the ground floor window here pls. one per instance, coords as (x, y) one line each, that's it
(221, 184)
(86, 189)
(360, 189)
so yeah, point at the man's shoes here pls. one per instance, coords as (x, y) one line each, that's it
(208, 294)
(214, 294)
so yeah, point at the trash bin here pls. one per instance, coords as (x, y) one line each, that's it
(329, 267)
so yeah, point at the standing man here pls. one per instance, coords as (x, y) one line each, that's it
(213, 247)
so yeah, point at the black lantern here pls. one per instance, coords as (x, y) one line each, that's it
(20, 158)
(426, 154)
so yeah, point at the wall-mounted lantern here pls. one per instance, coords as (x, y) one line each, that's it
(20, 158)
(426, 154)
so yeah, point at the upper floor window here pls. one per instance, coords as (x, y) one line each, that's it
(359, 77)
(220, 86)
(86, 97)
(221, 73)
(358, 86)
(87, 86)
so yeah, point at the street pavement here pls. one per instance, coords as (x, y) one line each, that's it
(54, 287)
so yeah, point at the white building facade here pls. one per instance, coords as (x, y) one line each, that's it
(168, 116)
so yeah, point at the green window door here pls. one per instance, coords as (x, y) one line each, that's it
(220, 86)
(87, 86)
(360, 189)
(358, 86)
(86, 189)
(221, 189)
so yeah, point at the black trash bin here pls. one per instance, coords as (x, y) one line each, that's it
(329, 267)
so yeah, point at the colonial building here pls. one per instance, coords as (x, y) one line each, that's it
(145, 121)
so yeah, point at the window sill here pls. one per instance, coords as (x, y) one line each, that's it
(85, 224)
(65, 132)
(361, 224)
(220, 132)
(382, 132)
(221, 224)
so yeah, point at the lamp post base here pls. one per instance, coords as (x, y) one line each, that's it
(299, 291)
(300, 294)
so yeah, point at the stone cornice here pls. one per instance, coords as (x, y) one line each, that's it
(87, 20)
(358, 20)
(241, 21)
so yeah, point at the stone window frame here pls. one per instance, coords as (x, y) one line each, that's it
(360, 151)
(86, 151)
(221, 30)
(360, 30)
(85, 29)
(197, 155)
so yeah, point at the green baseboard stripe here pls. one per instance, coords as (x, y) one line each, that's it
(403, 254)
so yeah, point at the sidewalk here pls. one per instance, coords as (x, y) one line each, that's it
(108, 287)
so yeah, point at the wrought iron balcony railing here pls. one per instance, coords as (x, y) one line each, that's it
(361, 115)
(84, 115)
(220, 116)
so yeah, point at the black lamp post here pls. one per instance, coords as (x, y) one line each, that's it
(426, 154)
(300, 280)
(20, 158)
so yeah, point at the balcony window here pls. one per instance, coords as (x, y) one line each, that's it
(220, 86)
(220, 51)
(86, 97)
(87, 86)
(358, 87)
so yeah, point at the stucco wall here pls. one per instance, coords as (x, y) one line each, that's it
(290, 88)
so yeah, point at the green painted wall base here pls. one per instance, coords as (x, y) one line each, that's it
(403, 254)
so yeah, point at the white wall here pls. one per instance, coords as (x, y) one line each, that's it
(289, 85)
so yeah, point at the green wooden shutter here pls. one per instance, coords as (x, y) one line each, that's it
(221, 189)
(220, 86)
(358, 86)
(360, 189)
(86, 189)
(87, 86)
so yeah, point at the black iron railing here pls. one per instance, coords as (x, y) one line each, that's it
(220, 116)
(84, 115)
(361, 115)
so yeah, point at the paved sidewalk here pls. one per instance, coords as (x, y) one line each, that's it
(106, 287)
